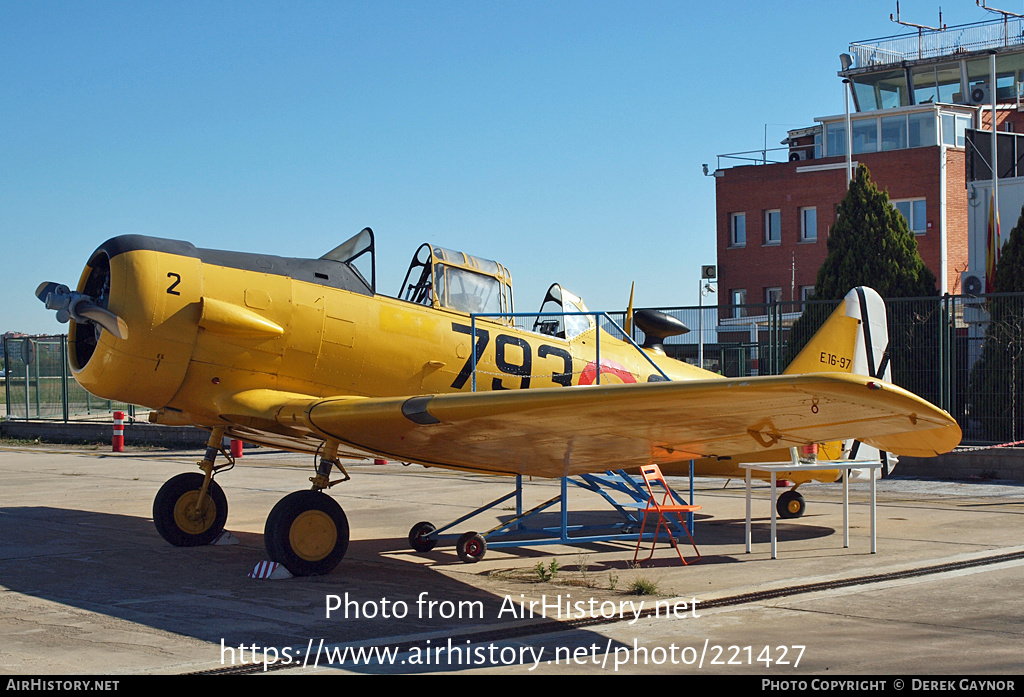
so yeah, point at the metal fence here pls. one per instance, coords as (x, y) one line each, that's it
(41, 387)
(951, 41)
(962, 353)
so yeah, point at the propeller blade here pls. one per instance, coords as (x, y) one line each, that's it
(45, 288)
(81, 308)
(103, 317)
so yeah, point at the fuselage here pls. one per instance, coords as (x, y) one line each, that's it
(206, 322)
(206, 325)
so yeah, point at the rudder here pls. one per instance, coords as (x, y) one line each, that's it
(854, 339)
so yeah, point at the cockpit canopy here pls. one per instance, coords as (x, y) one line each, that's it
(560, 314)
(442, 278)
(352, 250)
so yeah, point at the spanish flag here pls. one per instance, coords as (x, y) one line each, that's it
(992, 245)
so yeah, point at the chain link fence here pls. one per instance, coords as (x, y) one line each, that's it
(962, 353)
(38, 383)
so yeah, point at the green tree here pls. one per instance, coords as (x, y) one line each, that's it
(997, 379)
(871, 245)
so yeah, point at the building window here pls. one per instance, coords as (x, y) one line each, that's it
(897, 132)
(806, 292)
(835, 136)
(865, 135)
(894, 132)
(954, 127)
(738, 229)
(808, 224)
(915, 212)
(739, 300)
(772, 227)
(773, 295)
(922, 129)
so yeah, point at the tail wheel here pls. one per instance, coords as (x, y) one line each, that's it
(307, 532)
(471, 547)
(790, 504)
(179, 520)
(419, 538)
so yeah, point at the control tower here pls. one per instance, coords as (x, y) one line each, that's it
(919, 117)
(977, 65)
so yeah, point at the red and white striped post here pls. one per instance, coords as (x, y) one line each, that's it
(118, 440)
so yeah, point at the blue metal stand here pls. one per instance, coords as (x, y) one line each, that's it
(626, 528)
(471, 546)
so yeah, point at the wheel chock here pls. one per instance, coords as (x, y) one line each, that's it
(225, 538)
(270, 570)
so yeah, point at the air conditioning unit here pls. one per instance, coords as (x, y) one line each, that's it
(980, 94)
(797, 155)
(972, 283)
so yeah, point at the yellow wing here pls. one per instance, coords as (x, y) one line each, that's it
(561, 431)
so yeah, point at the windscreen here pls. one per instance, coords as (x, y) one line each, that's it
(461, 289)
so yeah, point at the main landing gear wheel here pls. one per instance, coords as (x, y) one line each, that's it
(307, 532)
(175, 514)
(471, 547)
(790, 504)
(418, 537)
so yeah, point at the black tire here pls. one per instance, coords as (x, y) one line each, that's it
(418, 539)
(174, 511)
(307, 532)
(471, 547)
(790, 504)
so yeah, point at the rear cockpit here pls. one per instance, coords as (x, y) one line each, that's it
(562, 314)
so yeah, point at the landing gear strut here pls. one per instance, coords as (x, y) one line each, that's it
(181, 519)
(191, 509)
(307, 531)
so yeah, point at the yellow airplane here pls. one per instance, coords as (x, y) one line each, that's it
(305, 355)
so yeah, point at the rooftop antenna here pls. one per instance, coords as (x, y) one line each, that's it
(920, 27)
(1005, 13)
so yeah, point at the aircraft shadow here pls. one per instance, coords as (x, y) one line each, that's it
(117, 565)
(707, 529)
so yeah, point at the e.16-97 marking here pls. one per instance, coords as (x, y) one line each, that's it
(835, 361)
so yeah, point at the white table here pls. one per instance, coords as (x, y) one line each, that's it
(789, 466)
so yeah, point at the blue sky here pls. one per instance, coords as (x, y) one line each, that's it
(563, 139)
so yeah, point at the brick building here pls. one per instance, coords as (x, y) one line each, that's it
(917, 103)
(773, 219)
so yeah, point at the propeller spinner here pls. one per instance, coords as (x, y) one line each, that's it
(72, 305)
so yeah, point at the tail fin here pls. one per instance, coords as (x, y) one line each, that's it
(854, 339)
